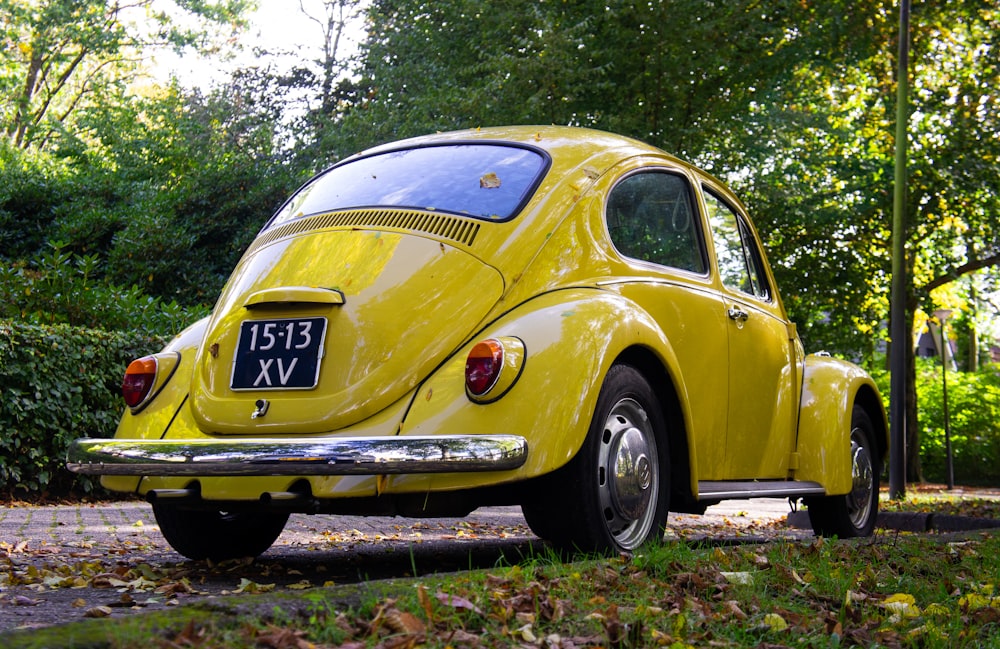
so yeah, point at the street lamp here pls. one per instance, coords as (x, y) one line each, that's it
(942, 315)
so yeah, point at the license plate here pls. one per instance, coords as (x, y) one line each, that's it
(281, 354)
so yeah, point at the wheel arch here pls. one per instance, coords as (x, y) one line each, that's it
(646, 361)
(868, 399)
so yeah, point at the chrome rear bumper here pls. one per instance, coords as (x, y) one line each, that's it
(281, 457)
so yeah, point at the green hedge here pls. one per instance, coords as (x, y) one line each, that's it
(973, 418)
(57, 383)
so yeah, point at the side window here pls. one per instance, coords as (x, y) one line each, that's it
(740, 263)
(651, 218)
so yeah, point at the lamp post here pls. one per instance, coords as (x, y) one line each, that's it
(942, 316)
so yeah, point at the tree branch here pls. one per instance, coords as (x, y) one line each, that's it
(964, 269)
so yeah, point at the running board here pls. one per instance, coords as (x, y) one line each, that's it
(739, 490)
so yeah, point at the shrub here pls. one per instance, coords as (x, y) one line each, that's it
(59, 383)
(32, 187)
(974, 422)
(59, 287)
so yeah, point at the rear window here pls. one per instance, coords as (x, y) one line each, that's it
(488, 181)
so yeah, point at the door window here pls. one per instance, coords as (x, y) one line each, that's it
(740, 263)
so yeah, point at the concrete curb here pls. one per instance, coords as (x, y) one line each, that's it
(912, 522)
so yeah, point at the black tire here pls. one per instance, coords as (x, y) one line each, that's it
(853, 514)
(613, 496)
(216, 535)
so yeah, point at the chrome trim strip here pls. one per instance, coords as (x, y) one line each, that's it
(282, 457)
(740, 489)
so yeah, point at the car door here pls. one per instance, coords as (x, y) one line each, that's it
(654, 223)
(762, 396)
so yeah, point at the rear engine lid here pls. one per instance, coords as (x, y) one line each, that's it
(318, 331)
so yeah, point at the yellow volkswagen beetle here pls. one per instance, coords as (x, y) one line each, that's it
(559, 318)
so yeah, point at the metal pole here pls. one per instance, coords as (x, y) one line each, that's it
(899, 337)
(945, 348)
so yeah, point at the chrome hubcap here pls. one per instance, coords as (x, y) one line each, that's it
(628, 476)
(859, 501)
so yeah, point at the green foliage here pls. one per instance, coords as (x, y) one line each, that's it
(61, 56)
(166, 192)
(974, 421)
(32, 189)
(59, 383)
(60, 287)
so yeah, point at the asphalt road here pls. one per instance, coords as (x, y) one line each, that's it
(64, 563)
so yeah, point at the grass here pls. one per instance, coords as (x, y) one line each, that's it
(892, 590)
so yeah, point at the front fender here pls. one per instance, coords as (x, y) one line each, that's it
(571, 337)
(831, 388)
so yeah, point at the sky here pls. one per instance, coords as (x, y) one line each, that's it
(277, 26)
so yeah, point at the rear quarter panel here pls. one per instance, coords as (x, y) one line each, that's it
(572, 337)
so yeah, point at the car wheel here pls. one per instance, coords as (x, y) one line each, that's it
(852, 514)
(613, 496)
(218, 535)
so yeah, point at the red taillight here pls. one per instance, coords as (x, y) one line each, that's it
(482, 367)
(140, 376)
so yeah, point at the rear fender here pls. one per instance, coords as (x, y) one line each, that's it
(830, 390)
(154, 419)
(571, 338)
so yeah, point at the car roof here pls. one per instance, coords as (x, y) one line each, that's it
(559, 141)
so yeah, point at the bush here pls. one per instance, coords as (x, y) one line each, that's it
(32, 187)
(59, 383)
(974, 421)
(59, 287)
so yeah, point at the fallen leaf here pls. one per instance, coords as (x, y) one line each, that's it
(733, 608)
(742, 578)
(775, 622)
(279, 638)
(98, 611)
(404, 622)
(248, 586)
(455, 601)
(902, 604)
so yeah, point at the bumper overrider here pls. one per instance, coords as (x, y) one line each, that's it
(281, 457)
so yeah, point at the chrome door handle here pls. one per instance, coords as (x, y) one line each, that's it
(738, 314)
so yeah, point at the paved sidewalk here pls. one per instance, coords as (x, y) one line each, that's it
(83, 526)
(122, 525)
(118, 526)
(129, 525)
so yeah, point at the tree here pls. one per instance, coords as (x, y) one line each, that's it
(336, 16)
(680, 75)
(792, 102)
(825, 202)
(177, 185)
(62, 55)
